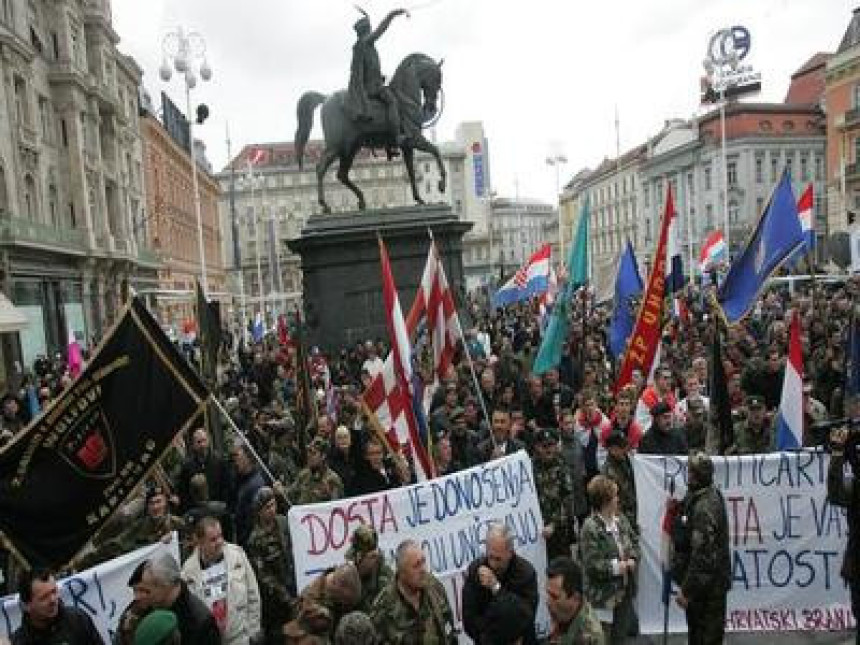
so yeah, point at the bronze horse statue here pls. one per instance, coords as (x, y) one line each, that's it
(416, 75)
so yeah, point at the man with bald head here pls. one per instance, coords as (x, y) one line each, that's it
(498, 577)
(413, 607)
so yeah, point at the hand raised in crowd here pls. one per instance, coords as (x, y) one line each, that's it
(487, 577)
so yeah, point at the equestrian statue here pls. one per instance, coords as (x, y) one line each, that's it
(371, 114)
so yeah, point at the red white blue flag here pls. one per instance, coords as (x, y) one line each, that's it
(530, 280)
(789, 424)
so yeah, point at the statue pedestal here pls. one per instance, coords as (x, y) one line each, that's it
(342, 276)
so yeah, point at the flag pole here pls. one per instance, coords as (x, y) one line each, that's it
(376, 426)
(465, 347)
(244, 439)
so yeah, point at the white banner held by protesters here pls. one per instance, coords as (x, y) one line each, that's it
(447, 516)
(102, 591)
(786, 542)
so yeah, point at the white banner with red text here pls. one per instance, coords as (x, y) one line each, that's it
(786, 542)
(447, 516)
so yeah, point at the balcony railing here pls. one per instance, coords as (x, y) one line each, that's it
(851, 118)
(15, 230)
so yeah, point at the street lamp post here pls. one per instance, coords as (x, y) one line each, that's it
(716, 72)
(252, 181)
(184, 49)
(557, 161)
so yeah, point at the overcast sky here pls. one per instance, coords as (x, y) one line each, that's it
(544, 76)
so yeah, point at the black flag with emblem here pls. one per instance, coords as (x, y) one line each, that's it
(64, 476)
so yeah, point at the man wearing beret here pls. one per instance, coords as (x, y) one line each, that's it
(160, 627)
(662, 437)
(316, 482)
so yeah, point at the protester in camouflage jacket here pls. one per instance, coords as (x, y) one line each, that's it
(270, 553)
(619, 468)
(609, 550)
(413, 608)
(574, 621)
(316, 483)
(753, 435)
(702, 560)
(552, 480)
(374, 571)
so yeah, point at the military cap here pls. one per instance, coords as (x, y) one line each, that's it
(545, 435)
(364, 540)
(156, 628)
(755, 401)
(263, 497)
(320, 445)
(660, 408)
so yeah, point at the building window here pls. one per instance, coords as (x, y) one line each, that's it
(819, 171)
(45, 119)
(4, 195)
(30, 205)
(734, 212)
(732, 173)
(52, 205)
(7, 8)
(789, 165)
(22, 114)
(804, 167)
(759, 206)
(690, 187)
(774, 166)
(709, 216)
(759, 169)
(708, 177)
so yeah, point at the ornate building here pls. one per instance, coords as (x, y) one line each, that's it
(71, 179)
(171, 224)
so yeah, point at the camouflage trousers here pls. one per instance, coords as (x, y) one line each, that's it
(706, 619)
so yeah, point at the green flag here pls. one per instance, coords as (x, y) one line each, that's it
(549, 354)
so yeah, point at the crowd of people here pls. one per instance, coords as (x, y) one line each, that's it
(308, 440)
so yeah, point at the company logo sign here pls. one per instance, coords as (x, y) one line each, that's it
(729, 43)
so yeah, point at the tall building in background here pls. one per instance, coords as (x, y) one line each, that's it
(171, 218)
(842, 101)
(627, 195)
(71, 179)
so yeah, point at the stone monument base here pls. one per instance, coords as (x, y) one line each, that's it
(342, 276)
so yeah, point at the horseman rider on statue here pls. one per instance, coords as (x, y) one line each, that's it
(366, 80)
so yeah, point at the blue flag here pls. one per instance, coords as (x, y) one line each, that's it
(549, 354)
(852, 377)
(777, 235)
(628, 285)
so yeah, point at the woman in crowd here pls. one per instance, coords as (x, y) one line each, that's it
(610, 554)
